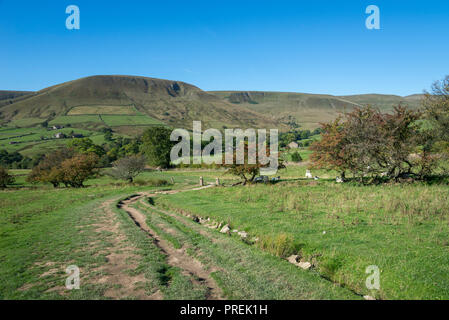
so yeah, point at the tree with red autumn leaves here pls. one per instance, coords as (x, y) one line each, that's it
(66, 167)
(370, 144)
(329, 152)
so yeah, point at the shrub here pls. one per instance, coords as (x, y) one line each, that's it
(296, 157)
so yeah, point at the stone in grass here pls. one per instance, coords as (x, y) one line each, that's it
(225, 229)
(294, 259)
(242, 234)
(369, 297)
(305, 265)
(212, 226)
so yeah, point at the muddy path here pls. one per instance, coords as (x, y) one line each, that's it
(175, 257)
(122, 257)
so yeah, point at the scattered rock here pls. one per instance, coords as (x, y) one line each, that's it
(369, 297)
(225, 229)
(294, 259)
(242, 234)
(235, 230)
(305, 265)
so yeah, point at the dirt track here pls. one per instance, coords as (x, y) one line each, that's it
(175, 257)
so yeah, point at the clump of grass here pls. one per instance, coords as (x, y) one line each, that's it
(281, 245)
(330, 265)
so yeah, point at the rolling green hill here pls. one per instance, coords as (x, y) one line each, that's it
(130, 103)
(144, 101)
(308, 110)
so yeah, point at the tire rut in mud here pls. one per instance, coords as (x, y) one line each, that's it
(175, 257)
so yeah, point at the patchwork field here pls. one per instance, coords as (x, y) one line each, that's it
(30, 141)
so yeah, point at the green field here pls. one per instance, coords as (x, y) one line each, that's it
(403, 230)
(127, 120)
(340, 229)
(79, 119)
(103, 120)
(30, 141)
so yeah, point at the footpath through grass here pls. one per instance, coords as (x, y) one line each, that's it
(242, 271)
(43, 231)
(343, 229)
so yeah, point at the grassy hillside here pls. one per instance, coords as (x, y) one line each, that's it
(309, 110)
(7, 97)
(385, 102)
(5, 94)
(174, 103)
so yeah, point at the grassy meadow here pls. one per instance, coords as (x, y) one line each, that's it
(340, 228)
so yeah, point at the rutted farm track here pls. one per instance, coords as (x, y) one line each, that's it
(175, 257)
(224, 266)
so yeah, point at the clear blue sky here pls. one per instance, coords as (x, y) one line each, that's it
(298, 46)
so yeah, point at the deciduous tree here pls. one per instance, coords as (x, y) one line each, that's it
(128, 168)
(5, 178)
(78, 169)
(156, 146)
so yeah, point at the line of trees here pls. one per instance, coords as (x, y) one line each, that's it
(71, 166)
(375, 146)
(297, 135)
